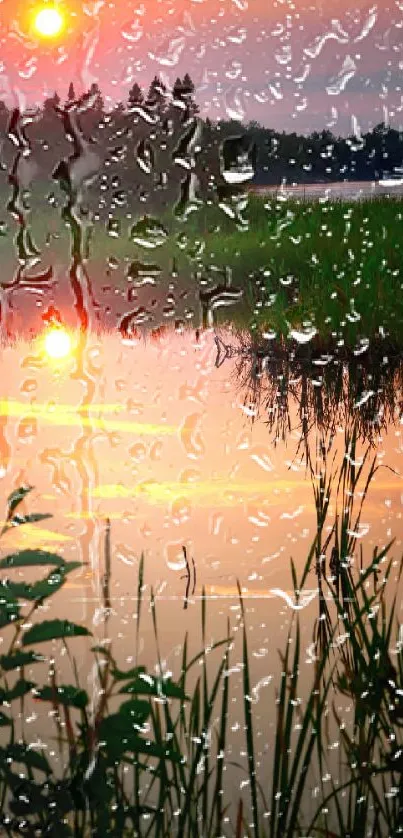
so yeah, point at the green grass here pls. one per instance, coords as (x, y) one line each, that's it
(337, 266)
(333, 266)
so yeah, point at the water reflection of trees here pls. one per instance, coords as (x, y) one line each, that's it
(327, 390)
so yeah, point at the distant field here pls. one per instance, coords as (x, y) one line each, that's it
(335, 266)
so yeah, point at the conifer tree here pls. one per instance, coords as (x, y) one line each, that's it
(157, 93)
(51, 104)
(187, 85)
(135, 95)
(96, 96)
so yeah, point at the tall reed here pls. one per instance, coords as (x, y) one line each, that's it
(143, 762)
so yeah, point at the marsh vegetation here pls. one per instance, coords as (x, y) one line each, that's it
(146, 755)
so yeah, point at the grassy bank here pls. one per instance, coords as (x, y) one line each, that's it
(334, 267)
(139, 757)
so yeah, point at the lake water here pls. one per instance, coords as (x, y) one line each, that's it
(156, 437)
(345, 191)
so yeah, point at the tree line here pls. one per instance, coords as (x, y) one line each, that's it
(156, 141)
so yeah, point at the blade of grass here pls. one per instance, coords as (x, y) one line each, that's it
(249, 720)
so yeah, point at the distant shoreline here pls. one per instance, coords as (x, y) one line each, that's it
(343, 189)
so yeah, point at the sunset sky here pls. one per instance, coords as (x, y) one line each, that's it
(288, 65)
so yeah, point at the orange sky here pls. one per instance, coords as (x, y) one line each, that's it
(246, 56)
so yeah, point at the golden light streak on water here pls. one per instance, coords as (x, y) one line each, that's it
(33, 537)
(71, 416)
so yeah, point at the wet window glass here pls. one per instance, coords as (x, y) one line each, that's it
(201, 321)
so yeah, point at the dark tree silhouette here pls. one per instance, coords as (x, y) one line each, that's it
(188, 86)
(157, 94)
(136, 96)
(177, 88)
(52, 103)
(96, 96)
(183, 94)
(71, 93)
(149, 150)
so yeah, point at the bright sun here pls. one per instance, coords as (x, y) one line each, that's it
(57, 343)
(48, 21)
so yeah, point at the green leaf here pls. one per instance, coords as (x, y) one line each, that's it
(143, 746)
(125, 721)
(44, 587)
(24, 805)
(66, 694)
(118, 732)
(27, 799)
(18, 520)
(156, 687)
(8, 614)
(19, 752)
(117, 736)
(122, 675)
(9, 608)
(17, 659)
(16, 497)
(32, 558)
(136, 710)
(52, 630)
(4, 720)
(20, 688)
(62, 799)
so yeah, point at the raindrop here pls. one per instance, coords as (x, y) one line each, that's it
(303, 336)
(148, 232)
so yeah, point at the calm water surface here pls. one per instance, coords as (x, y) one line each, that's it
(339, 190)
(155, 437)
(152, 435)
